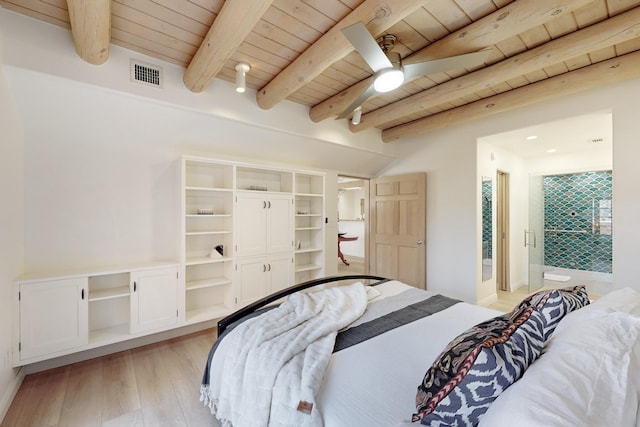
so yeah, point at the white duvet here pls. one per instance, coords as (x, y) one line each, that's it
(588, 375)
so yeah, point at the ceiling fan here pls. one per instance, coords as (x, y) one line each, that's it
(389, 70)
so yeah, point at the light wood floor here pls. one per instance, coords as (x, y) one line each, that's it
(155, 385)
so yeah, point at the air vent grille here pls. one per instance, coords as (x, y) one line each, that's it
(146, 74)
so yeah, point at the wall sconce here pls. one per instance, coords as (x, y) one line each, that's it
(357, 115)
(241, 72)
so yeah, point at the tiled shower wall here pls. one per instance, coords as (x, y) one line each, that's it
(580, 203)
(487, 190)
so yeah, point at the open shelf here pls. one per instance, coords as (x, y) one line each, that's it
(108, 293)
(208, 313)
(204, 233)
(307, 267)
(207, 283)
(206, 260)
(110, 334)
(207, 189)
(306, 250)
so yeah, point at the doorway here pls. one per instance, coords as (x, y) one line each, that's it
(353, 195)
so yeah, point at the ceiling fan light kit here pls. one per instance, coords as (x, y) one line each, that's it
(388, 70)
(392, 78)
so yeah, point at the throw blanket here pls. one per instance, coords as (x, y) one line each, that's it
(275, 363)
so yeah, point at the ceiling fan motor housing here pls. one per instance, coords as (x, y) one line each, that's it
(386, 42)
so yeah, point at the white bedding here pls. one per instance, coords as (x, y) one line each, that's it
(373, 383)
(588, 375)
(388, 369)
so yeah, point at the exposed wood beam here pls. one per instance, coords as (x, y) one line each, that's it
(232, 25)
(377, 15)
(91, 29)
(500, 25)
(618, 29)
(593, 76)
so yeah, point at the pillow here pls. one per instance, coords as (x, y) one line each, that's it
(554, 304)
(588, 375)
(477, 366)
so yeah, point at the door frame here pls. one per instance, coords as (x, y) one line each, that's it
(365, 190)
(502, 231)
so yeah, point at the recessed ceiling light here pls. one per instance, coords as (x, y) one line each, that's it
(551, 150)
(531, 137)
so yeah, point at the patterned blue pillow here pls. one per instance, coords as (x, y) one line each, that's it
(477, 366)
(554, 304)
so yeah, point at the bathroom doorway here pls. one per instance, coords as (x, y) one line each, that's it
(568, 240)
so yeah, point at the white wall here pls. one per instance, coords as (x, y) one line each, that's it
(100, 152)
(11, 232)
(449, 158)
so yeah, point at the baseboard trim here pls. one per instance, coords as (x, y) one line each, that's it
(10, 393)
(488, 300)
(83, 355)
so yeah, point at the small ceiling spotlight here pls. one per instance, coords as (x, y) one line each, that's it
(241, 72)
(357, 115)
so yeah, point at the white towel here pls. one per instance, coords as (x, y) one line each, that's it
(275, 362)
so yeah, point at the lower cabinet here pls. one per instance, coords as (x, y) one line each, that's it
(154, 299)
(257, 277)
(58, 316)
(53, 316)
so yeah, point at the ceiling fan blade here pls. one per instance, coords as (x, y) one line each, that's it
(366, 46)
(468, 60)
(358, 102)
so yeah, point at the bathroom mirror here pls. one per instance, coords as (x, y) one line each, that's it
(487, 228)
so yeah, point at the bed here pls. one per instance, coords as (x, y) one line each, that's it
(400, 356)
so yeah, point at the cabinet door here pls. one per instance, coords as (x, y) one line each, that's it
(280, 268)
(251, 225)
(252, 279)
(280, 223)
(53, 316)
(154, 302)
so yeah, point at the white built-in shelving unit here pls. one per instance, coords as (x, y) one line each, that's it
(246, 231)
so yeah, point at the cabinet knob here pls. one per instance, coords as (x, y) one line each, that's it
(82, 294)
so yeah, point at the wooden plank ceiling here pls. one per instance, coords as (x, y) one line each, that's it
(540, 49)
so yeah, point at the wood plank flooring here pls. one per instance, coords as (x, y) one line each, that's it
(154, 385)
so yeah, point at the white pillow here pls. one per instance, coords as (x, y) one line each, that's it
(588, 374)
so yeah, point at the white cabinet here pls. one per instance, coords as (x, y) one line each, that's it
(75, 312)
(258, 277)
(154, 299)
(53, 316)
(268, 221)
(263, 223)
